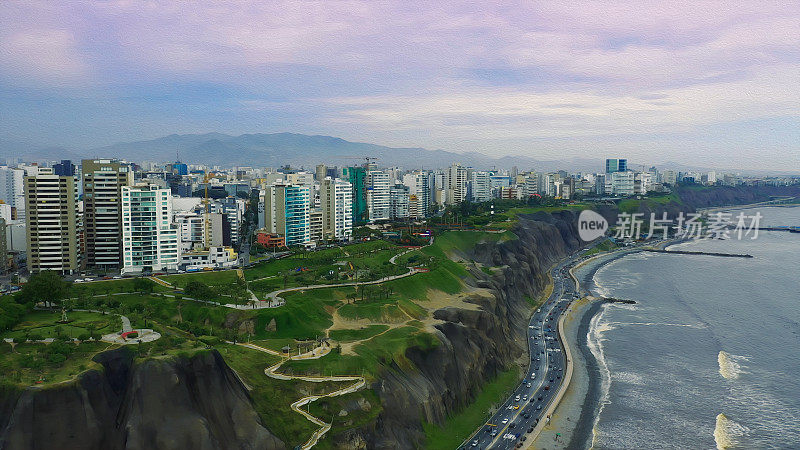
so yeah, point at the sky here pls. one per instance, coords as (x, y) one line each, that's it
(706, 83)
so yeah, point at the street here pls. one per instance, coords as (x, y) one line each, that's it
(526, 405)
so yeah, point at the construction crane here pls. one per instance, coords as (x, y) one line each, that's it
(207, 207)
(368, 159)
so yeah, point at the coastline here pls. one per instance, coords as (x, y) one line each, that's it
(572, 421)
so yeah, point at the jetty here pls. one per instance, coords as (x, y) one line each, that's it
(687, 252)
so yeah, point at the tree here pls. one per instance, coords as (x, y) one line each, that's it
(46, 286)
(142, 285)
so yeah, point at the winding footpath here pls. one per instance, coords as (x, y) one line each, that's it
(358, 382)
(318, 352)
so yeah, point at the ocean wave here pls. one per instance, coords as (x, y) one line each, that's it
(595, 343)
(727, 433)
(629, 378)
(730, 366)
(687, 325)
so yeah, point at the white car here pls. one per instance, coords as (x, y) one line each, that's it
(505, 421)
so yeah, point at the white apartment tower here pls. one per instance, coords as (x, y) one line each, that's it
(12, 190)
(336, 201)
(456, 184)
(378, 195)
(481, 186)
(150, 241)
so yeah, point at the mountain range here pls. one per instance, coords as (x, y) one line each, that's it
(296, 150)
(280, 149)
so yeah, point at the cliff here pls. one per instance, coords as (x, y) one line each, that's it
(478, 344)
(193, 402)
(475, 344)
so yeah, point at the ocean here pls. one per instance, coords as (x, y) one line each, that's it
(709, 357)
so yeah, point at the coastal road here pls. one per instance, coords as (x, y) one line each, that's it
(525, 407)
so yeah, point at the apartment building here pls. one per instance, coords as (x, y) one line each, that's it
(52, 223)
(150, 241)
(102, 181)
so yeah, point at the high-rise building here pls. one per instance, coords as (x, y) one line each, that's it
(65, 168)
(315, 225)
(622, 183)
(103, 180)
(357, 177)
(3, 247)
(191, 226)
(336, 202)
(52, 223)
(321, 172)
(399, 198)
(150, 241)
(12, 190)
(419, 185)
(378, 195)
(287, 213)
(481, 186)
(616, 165)
(456, 184)
(178, 168)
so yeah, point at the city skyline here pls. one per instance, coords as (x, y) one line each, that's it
(709, 85)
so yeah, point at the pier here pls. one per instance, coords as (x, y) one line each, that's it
(687, 252)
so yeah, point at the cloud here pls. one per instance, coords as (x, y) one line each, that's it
(436, 72)
(44, 55)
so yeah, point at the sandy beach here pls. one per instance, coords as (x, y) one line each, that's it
(572, 422)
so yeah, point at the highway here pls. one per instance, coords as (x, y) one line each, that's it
(511, 425)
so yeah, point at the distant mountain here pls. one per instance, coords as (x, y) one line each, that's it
(278, 149)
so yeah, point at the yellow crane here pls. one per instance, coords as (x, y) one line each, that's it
(207, 207)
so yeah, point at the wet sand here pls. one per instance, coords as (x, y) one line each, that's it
(573, 420)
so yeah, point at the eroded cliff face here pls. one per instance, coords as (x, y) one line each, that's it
(475, 344)
(176, 403)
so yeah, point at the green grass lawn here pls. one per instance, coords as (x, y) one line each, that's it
(210, 278)
(631, 205)
(357, 334)
(44, 325)
(36, 364)
(371, 259)
(362, 407)
(305, 315)
(271, 398)
(460, 425)
(109, 287)
(371, 356)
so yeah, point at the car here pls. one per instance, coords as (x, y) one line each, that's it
(547, 387)
(538, 407)
(525, 397)
(517, 397)
(530, 430)
(505, 421)
(475, 443)
(526, 415)
(494, 433)
(512, 425)
(117, 277)
(78, 280)
(529, 385)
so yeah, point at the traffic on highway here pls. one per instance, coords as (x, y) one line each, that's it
(515, 420)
